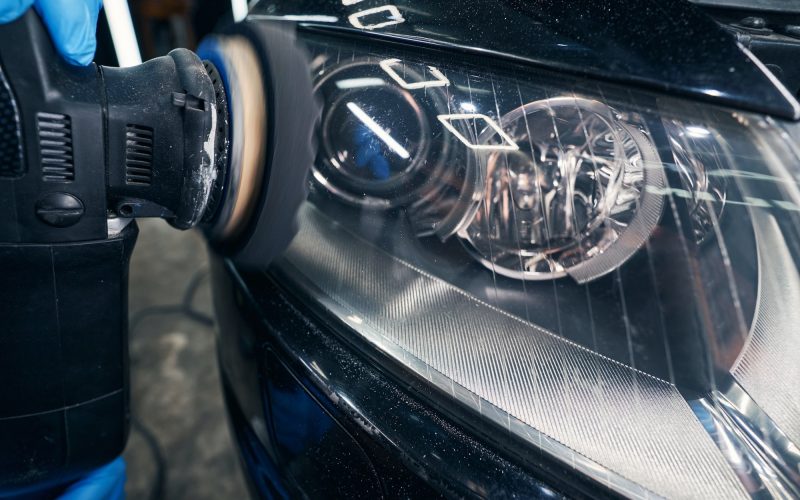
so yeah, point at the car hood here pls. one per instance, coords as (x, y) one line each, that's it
(667, 45)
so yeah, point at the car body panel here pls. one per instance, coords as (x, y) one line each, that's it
(667, 45)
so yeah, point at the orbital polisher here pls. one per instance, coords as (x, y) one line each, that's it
(221, 141)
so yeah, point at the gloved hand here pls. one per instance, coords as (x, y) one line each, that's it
(105, 483)
(72, 24)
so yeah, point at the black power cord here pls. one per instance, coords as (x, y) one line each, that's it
(187, 309)
(160, 479)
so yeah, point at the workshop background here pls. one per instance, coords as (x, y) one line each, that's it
(180, 445)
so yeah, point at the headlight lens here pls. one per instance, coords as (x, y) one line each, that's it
(589, 267)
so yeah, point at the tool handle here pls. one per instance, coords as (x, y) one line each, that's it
(63, 277)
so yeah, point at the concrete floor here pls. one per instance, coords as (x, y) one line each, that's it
(175, 387)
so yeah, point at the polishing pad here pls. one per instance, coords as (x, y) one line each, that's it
(271, 118)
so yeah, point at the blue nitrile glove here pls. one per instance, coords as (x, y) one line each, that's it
(72, 24)
(105, 483)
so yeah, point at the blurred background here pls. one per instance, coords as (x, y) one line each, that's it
(160, 25)
(179, 445)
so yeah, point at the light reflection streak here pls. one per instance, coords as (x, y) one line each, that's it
(377, 130)
(296, 18)
(507, 145)
(358, 83)
(440, 81)
(697, 131)
(394, 17)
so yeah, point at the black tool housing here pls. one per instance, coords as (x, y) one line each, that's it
(135, 141)
(82, 151)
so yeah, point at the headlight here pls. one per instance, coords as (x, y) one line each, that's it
(607, 274)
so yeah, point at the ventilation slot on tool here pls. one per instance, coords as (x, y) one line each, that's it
(138, 155)
(55, 147)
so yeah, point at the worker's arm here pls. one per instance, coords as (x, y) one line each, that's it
(72, 24)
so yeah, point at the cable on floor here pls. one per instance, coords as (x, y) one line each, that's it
(187, 309)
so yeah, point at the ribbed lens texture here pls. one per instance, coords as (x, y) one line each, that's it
(588, 409)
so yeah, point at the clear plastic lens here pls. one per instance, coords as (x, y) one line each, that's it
(376, 135)
(697, 154)
(609, 275)
(573, 187)
(561, 180)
